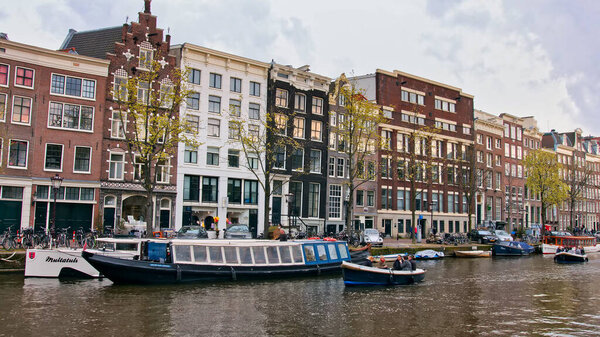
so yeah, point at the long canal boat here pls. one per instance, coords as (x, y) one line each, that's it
(552, 242)
(176, 260)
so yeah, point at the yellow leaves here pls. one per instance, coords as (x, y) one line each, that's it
(544, 176)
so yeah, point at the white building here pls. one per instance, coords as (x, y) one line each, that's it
(213, 180)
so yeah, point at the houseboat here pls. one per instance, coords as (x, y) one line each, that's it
(563, 239)
(67, 262)
(176, 260)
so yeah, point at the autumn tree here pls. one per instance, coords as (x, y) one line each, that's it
(578, 175)
(147, 105)
(472, 174)
(543, 178)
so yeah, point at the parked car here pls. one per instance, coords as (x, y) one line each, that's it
(372, 236)
(238, 232)
(192, 232)
(502, 235)
(482, 236)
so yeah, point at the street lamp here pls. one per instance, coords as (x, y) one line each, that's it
(56, 182)
(290, 198)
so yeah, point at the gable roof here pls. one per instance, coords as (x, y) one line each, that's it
(93, 43)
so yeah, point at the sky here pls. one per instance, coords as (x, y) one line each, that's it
(526, 58)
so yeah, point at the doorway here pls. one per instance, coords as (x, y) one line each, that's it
(387, 225)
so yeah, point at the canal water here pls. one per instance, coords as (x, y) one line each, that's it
(460, 297)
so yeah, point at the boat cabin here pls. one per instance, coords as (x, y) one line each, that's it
(570, 241)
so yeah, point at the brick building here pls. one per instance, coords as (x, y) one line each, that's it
(128, 49)
(51, 106)
(412, 104)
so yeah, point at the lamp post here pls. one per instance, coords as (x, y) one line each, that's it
(56, 182)
(431, 205)
(290, 198)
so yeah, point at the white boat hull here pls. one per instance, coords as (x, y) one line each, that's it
(57, 262)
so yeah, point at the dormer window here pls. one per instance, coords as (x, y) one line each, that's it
(146, 56)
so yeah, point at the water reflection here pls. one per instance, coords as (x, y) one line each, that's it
(459, 297)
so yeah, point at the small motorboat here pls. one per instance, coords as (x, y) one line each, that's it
(357, 275)
(389, 257)
(570, 257)
(512, 248)
(473, 253)
(428, 254)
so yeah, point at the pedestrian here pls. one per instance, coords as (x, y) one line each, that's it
(413, 263)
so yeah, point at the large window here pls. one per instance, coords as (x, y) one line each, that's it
(210, 189)
(317, 106)
(313, 200)
(254, 89)
(191, 188)
(370, 198)
(194, 76)
(214, 104)
(235, 84)
(17, 156)
(24, 77)
(233, 158)
(118, 124)
(316, 130)
(215, 81)
(190, 155)
(234, 190)
(83, 156)
(281, 124)
(193, 101)
(116, 164)
(315, 161)
(72, 86)
(254, 111)
(360, 198)
(235, 107)
(193, 123)
(251, 192)
(146, 56)
(162, 171)
(21, 110)
(120, 85)
(298, 159)
(4, 74)
(335, 198)
(212, 156)
(281, 98)
(300, 102)
(73, 117)
(299, 127)
(214, 127)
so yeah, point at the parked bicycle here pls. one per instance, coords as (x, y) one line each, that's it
(8, 242)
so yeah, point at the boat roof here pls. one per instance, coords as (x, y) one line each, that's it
(119, 240)
(240, 242)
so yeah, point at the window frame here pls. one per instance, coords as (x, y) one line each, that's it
(26, 154)
(79, 118)
(89, 171)
(214, 126)
(64, 94)
(233, 84)
(6, 102)
(12, 111)
(314, 131)
(192, 77)
(212, 83)
(319, 164)
(110, 163)
(23, 85)
(300, 102)
(315, 105)
(280, 100)
(7, 75)
(252, 89)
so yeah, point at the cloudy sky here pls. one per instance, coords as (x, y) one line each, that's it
(534, 57)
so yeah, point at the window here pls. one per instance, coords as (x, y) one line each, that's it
(139, 169)
(340, 167)
(281, 98)
(72, 86)
(21, 110)
(74, 117)
(214, 127)
(117, 125)
(317, 106)
(214, 104)
(215, 81)
(212, 156)
(250, 192)
(315, 130)
(300, 102)
(331, 167)
(254, 111)
(146, 56)
(313, 200)
(194, 76)
(234, 130)
(297, 159)
(83, 155)
(445, 105)
(315, 161)
(120, 85)
(143, 92)
(412, 97)
(190, 155)
(3, 99)
(279, 160)
(191, 188)
(235, 107)
(299, 127)
(252, 161)
(507, 150)
(4, 74)
(209, 189)
(386, 198)
(253, 131)
(400, 205)
(498, 143)
(116, 163)
(24, 77)
(370, 198)
(167, 92)
(466, 130)
(17, 156)
(162, 171)
(193, 123)
(193, 101)
(332, 140)
(254, 88)
(235, 84)
(281, 124)
(360, 198)
(335, 201)
(233, 158)
(296, 190)
(234, 191)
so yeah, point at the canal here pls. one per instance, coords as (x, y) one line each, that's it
(460, 297)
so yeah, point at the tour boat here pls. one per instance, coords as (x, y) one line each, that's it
(176, 260)
(358, 275)
(570, 257)
(67, 262)
(472, 253)
(512, 248)
(429, 254)
(552, 242)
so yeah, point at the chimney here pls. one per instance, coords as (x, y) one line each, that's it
(147, 6)
(3, 36)
(124, 32)
(168, 40)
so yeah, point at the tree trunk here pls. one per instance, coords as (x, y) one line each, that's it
(267, 206)
(149, 213)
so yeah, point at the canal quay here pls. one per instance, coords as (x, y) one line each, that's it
(527, 296)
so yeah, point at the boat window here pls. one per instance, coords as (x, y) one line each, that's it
(200, 254)
(183, 254)
(297, 252)
(230, 254)
(216, 256)
(322, 253)
(309, 251)
(284, 253)
(272, 254)
(127, 246)
(105, 245)
(245, 255)
(332, 252)
(259, 255)
(343, 251)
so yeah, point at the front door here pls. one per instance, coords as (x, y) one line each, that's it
(387, 224)
(276, 211)
(369, 223)
(331, 230)
(253, 222)
(165, 217)
(109, 219)
(41, 212)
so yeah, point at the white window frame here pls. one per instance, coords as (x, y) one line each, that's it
(165, 171)
(7, 75)
(78, 129)
(32, 78)
(313, 130)
(12, 111)
(296, 128)
(320, 161)
(315, 104)
(338, 208)
(6, 103)
(300, 102)
(26, 155)
(65, 87)
(279, 100)
(89, 171)
(122, 124)
(110, 163)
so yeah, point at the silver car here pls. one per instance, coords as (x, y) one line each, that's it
(372, 236)
(502, 235)
(238, 232)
